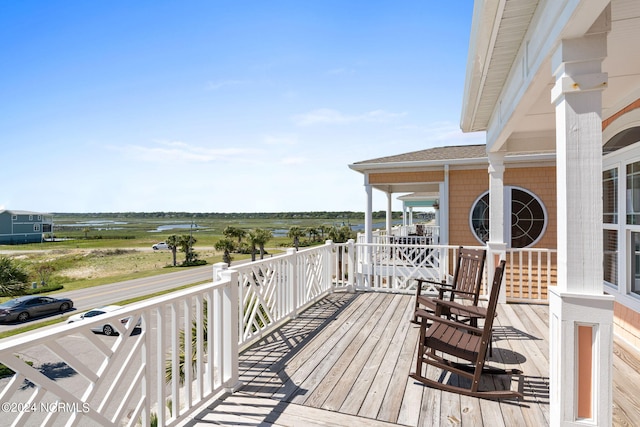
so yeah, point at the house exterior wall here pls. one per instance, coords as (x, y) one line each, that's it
(627, 324)
(5, 223)
(21, 227)
(465, 186)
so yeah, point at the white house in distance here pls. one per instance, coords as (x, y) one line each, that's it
(19, 227)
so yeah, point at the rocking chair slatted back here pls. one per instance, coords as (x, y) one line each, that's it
(465, 286)
(467, 278)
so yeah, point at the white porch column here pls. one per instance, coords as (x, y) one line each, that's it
(389, 214)
(444, 208)
(496, 245)
(581, 316)
(368, 214)
(404, 214)
(410, 215)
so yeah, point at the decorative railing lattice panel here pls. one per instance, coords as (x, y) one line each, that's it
(181, 355)
(274, 289)
(395, 267)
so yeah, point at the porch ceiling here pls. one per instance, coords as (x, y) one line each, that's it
(496, 62)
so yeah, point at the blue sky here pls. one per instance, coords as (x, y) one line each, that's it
(221, 106)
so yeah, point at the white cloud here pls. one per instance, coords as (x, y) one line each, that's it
(172, 151)
(329, 116)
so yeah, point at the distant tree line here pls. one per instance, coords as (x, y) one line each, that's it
(234, 215)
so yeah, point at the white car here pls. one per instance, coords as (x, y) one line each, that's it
(105, 328)
(160, 246)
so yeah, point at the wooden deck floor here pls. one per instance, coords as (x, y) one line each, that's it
(346, 360)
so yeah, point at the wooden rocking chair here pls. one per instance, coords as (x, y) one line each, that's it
(466, 283)
(441, 337)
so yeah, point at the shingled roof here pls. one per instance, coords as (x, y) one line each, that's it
(434, 154)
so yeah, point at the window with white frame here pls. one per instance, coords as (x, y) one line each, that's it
(610, 196)
(621, 214)
(610, 231)
(633, 193)
(528, 218)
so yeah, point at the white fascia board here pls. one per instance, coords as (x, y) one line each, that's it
(437, 164)
(419, 165)
(482, 38)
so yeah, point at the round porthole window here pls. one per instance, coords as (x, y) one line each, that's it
(528, 218)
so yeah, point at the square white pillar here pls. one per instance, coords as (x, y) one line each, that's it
(581, 316)
(496, 246)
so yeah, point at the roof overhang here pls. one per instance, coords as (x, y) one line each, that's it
(513, 160)
(509, 77)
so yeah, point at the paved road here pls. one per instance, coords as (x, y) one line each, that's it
(88, 298)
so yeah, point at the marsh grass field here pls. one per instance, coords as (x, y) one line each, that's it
(96, 249)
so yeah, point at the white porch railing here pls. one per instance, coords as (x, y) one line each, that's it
(420, 234)
(186, 351)
(80, 377)
(529, 274)
(395, 266)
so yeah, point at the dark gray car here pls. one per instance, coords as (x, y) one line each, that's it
(24, 308)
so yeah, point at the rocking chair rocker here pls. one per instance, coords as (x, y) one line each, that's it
(464, 342)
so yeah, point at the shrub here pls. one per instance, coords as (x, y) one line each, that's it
(13, 278)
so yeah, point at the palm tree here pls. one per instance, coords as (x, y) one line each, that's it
(188, 361)
(186, 243)
(252, 237)
(341, 234)
(324, 229)
(225, 245)
(173, 242)
(295, 233)
(313, 233)
(234, 233)
(262, 237)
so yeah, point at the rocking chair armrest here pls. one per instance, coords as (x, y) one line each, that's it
(425, 315)
(442, 283)
(460, 291)
(439, 285)
(468, 310)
